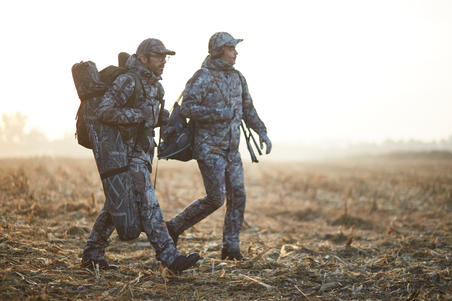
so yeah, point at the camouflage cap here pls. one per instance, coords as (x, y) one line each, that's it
(153, 46)
(220, 39)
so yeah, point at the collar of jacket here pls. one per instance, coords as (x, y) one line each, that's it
(216, 64)
(134, 65)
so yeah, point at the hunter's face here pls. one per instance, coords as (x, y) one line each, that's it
(229, 54)
(155, 62)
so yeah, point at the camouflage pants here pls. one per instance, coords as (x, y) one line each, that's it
(143, 214)
(222, 178)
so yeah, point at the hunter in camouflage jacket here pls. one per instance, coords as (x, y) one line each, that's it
(217, 99)
(115, 109)
(213, 94)
(131, 205)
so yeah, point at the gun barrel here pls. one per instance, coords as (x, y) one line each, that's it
(248, 144)
(253, 155)
(255, 143)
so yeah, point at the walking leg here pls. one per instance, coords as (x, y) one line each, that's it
(235, 209)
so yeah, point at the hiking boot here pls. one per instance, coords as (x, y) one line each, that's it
(184, 262)
(231, 254)
(103, 264)
(173, 235)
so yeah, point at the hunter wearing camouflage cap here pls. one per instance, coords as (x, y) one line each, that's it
(216, 98)
(149, 46)
(220, 39)
(126, 116)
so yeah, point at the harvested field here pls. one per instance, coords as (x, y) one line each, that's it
(338, 230)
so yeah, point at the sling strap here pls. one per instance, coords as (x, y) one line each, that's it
(113, 172)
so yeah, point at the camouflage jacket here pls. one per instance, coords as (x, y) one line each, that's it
(117, 109)
(216, 87)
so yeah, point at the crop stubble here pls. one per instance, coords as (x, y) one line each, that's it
(351, 229)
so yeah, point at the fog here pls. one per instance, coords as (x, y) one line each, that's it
(320, 72)
(18, 140)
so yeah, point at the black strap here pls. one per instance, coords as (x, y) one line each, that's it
(133, 100)
(113, 172)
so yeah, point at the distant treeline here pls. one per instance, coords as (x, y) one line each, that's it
(430, 155)
(15, 141)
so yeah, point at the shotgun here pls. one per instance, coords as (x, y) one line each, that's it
(248, 136)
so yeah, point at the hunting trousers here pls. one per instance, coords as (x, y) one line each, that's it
(222, 178)
(143, 214)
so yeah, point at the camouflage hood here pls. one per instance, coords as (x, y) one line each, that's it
(216, 64)
(220, 39)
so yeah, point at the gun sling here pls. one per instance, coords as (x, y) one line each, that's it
(113, 172)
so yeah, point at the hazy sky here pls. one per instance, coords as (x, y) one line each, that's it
(317, 70)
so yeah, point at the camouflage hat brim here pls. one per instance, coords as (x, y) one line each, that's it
(164, 51)
(220, 39)
(153, 46)
(233, 42)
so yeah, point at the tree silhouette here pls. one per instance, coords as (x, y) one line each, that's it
(13, 129)
(17, 142)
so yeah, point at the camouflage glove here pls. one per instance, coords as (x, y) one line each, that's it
(263, 138)
(163, 117)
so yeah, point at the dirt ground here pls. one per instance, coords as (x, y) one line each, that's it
(355, 229)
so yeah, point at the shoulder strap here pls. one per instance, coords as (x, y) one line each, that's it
(160, 94)
(109, 74)
(133, 100)
(241, 80)
(243, 90)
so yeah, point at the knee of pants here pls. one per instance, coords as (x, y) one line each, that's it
(238, 197)
(216, 200)
(129, 233)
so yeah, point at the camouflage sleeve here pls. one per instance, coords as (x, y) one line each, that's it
(249, 112)
(194, 93)
(111, 108)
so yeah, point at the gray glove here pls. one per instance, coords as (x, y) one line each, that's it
(263, 138)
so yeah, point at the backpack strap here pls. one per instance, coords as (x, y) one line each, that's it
(129, 131)
(242, 84)
(133, 99)
(160, 95)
